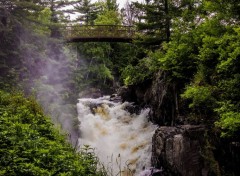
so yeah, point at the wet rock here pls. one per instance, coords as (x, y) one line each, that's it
(151, 172)
(115, 98)
(133, 109)
(127, 93)
(178, 150)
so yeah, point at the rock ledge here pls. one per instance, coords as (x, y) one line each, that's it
(178, 150)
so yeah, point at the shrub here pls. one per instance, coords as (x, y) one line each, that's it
(30, 145)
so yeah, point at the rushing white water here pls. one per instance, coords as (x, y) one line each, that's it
(122, 141)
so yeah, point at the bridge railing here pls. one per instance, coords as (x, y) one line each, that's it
(99, 31)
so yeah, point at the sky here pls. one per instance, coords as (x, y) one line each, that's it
(122, 2)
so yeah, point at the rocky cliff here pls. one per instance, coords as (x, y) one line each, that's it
(157, 94)
(179, 147)
(178, 150)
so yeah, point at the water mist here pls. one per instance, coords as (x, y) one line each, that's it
(122, 141)
(48, 66)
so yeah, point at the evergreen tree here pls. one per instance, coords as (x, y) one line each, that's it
(88, 12)
(108, 13)
(154, 21)
(19, 10)
(14, 17)
(59, 14)
(112, 5)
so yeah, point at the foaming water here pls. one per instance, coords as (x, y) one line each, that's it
(122, 141)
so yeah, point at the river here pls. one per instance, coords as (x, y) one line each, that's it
(122, 141)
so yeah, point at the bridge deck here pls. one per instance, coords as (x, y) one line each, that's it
(100, 39)
(99, 33)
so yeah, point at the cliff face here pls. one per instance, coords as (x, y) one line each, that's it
(157, 94)
(187, 150)
(178, 150)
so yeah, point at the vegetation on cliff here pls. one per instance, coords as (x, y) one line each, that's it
(200, 57)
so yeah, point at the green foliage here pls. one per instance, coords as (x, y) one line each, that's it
(111, 5)
(95, 67)
(104, 72)
(154, 21)
(229, 121)
(201, 58)
(142, 71)
(9, 79)
(229, 50)
(20, 11)
(215, 84)
(225, 9)
(179, 60)
(44, 19)
(107, 18)
(133, 75)
(199, 95)
(30, 145)
(88, 12)
(109, 14)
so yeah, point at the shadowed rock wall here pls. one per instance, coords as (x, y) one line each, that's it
(157, 94)
(178, 150)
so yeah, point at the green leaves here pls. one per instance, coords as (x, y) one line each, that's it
(229, 51)
(154, 22)
(29, 144)
(179, 60)
(214, 88)
(199, 96)
(202, 58)
(142, 71)
(229, 121)
(44, 18)
(108, 17)
(88, 11)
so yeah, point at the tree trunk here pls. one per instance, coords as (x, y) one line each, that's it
(167, 20)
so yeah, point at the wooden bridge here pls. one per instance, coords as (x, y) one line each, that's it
(99, 33)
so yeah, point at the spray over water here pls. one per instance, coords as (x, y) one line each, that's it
(48, 65)
(122, 141)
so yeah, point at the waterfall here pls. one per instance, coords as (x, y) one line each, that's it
(122, 141)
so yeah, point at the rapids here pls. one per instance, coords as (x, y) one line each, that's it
(122, 141)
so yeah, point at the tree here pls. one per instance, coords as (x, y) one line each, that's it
(111, 5)
(102, 63)
(227, 10)
(109, 14)
(88, 12)
(59, 10)
(14, 17)
(154, 22)
(130, 14)
(19, 10)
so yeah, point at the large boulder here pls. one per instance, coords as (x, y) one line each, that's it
(178, 150)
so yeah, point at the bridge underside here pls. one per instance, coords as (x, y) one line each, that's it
(99, 39)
